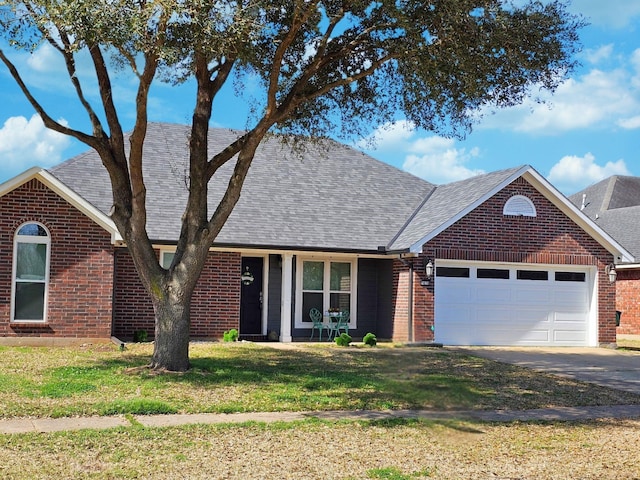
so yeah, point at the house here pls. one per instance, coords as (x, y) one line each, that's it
(614, 205)
(510, 260)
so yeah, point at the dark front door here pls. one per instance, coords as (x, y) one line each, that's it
(251, 296)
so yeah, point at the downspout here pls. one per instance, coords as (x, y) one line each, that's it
(409, 264)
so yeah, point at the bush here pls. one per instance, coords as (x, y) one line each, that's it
(343, 340)
(230, 335)
(370, 339)
(140, 336)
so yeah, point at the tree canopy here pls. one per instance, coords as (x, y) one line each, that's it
(324, 67)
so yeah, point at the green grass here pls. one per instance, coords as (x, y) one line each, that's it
(244, 377)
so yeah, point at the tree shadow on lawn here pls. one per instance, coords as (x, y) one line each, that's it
(392, 378)
(258, 378)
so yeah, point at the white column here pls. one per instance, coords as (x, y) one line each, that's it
(285, 302)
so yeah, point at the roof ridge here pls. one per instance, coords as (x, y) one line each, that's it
(412, 216)
(608, 194)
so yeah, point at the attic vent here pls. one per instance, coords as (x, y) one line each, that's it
(519, 206)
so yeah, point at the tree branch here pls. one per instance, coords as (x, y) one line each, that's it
(274, 76)
(49, 122)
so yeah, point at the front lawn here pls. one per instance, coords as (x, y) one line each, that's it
(244, 377)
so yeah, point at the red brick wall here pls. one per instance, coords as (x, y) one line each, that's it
(628, 301)
(215, 305)
(485, 234)
(81, 273)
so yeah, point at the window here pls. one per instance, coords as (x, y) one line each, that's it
(166, 258)
(493, 273)
(457, 272)
(31, 253)
(519, 206)
(570, 277)
(325, 284)
(533, 275)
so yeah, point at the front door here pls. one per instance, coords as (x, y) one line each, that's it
(251, 296)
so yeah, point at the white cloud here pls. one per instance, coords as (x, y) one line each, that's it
(27, 142)
(630, 123)
(598, 55)
(46, 60)
(434, 158)
(597, 98)
(437, 160)
(389, 136)
(573, 173)
(612, 13)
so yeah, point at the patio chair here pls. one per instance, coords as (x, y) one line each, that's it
(341, 323)
(316, 318)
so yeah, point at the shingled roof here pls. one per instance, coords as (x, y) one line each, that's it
(323, 197)
(326, 197)
(614, 205)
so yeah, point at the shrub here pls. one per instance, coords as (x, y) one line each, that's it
(343, 340)
(140, 336)
(370, 339)
(230, 335)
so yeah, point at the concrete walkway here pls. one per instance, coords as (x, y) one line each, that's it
(46, 425)
(607, 367)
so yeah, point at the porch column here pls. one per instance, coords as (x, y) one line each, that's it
(285, 301)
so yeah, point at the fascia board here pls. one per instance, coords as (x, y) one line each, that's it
(417, 247)
(67, 194)
(574, 213)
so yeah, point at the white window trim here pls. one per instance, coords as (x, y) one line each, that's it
(513, 207)
(31, 239)
(300, 320)
(163, 253)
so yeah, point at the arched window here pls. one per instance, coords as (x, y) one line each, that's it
(31, 254)
(519, 206)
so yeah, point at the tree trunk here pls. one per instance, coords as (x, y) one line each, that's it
(173, 321)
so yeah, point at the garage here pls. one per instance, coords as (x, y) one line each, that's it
(514, 304)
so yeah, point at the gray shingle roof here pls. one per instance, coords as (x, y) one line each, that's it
(328, 197)
(446, 203)
(614, 205)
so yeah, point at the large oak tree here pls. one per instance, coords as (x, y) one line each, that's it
(324, 66)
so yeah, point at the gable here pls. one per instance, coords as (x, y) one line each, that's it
(487, 186)
(39, 179)
(486, 230)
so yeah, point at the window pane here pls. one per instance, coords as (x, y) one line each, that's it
(167, 258)
(31, 261)
(32, 229)
(29, 301)
(533, 275)
(570, 277)
(459, 272)
(312, 276)
(493, 273)
(309, 301)
(340, 300)
(340, 277)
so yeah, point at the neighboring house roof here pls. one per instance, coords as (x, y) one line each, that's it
(323, 197)
(614, 205)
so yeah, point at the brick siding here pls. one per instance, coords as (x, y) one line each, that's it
(485, 234)
(215, 305)
(81, 271)
(628, 301)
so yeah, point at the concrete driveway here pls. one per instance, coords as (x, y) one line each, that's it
(611, 368)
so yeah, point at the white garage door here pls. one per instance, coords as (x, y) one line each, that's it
(507, 304)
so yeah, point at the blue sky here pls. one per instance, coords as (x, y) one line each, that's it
(588, 130)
